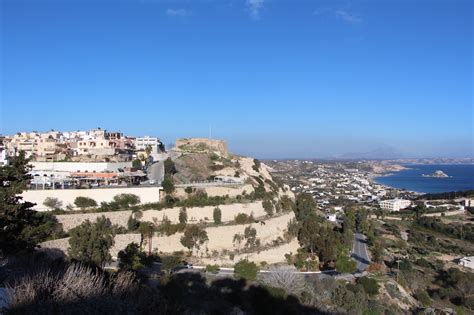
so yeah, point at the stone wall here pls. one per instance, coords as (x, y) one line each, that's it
(220, 238)
(197, 214)
(67, 196)
(70, 221)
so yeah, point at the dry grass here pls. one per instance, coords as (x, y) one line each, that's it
(75, 289)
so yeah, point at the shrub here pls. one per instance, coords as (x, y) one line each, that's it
(256, 165)
(243, 218)
(170, 167)
(90, 242)
(52, 203)
(212, 268)
(183, 216)
(137, 164)
(345, 265)
(217, 215)
(370, 285)
(246, 270)
(214, 157)
(132, 258)
(132, 224)
(84, 202)
(168, 262)
(423, 297)
(168, 185)
(188, 190)
(268, 207)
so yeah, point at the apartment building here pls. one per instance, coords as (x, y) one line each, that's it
(142, 143)
(394, 204)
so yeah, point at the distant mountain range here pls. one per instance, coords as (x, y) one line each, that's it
(383, 153)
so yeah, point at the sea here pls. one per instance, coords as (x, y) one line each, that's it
(461, 177)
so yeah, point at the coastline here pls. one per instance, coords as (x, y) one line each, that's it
(390, 170)
(457, 180)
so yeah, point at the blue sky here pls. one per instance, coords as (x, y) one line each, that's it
(274, 78)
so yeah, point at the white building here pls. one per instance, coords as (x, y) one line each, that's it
(331, 217)
(394, 204)
(467, 262)
(3, 155)
(142, 143)
(468, 202)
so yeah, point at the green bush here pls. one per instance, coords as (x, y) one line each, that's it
(212, 268)
(52, 203)
(246, 270)
(423, 297)
(268, 207)
(84, 202)
(126, 200)
(345, 264)
(370, 285)
(243, 218)
(217, 215)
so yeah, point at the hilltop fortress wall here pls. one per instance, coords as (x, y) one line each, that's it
(202, 145)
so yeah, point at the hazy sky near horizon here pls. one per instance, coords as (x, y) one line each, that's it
(275, 78)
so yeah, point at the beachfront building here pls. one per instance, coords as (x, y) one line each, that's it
(394, 204)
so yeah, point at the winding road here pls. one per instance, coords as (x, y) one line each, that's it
(359, 252)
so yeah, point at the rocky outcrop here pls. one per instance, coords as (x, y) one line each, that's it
(202, 145)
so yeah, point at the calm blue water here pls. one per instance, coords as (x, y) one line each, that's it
(462, 178)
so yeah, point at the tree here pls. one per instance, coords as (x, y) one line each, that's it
(250, 234)
(268, 207)
(188, 190)
(319, 239)
(43, 227)
(377, 250)
(345, 264)
(147, 230)
(170, 167)
(183, 216)
(286, 278)
(15, 214)
(90, 242)
(305, 206)
(126, 200)
(246, 270)
(420, 210)
(84, 202)
(137, 164)
(217, 215)
(132, 258)
(349, 220)
(194, 237)
(52, 203)
(168, 185)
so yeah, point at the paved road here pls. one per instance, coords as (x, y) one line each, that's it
(359, 252)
